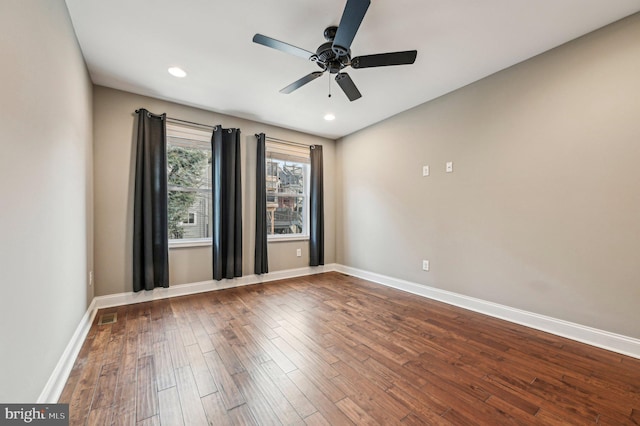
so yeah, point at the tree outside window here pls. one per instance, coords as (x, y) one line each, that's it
(189, 187)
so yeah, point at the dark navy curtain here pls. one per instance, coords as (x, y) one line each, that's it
(227, 203)
(150, 234)
(316, 208)
(261, 259)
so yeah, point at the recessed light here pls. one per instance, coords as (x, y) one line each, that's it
(329, 117)
(177, 72)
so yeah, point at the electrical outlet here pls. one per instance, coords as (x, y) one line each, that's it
(299, 252)
(449, 167)
(425, 265)
(425, 171)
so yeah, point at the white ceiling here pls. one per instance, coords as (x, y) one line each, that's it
(129, 45)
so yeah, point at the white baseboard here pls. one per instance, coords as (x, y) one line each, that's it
(53, 389)
(592, 336)
(204, 286)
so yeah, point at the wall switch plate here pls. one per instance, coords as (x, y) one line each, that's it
(90, 278)
(299, 252)
(449, 166)
(425, 265)
(425, 170)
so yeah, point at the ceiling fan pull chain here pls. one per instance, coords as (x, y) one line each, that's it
(329, 86)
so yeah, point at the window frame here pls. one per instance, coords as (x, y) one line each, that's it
(300, 156)
(189, 133)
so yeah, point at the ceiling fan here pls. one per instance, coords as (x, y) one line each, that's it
(335, 54)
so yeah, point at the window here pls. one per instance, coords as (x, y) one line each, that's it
(287, 181)
(191, 219)
(189, 185)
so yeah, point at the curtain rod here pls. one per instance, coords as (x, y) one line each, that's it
(177, 120)
(286, 142)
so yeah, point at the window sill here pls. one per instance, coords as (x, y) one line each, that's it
(189, 243)
(286, 239)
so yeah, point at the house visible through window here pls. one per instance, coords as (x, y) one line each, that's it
(189, 184)
(287, 180)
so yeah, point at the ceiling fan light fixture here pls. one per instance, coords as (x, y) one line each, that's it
(177, 72)
(329, 117)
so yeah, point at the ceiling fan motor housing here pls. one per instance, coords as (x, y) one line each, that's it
(327, 58)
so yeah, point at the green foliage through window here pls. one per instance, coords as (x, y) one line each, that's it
(189, 190)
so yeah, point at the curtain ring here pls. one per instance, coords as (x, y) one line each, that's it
(215, 128)
(229, 130)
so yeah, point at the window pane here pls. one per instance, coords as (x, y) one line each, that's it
(285, 215)
(287, 171)
(284, 177)
(189, 182)
(189, 214)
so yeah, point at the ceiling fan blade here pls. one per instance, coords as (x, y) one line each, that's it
(385, 59)
(299, 83)
(282, 46)
(348, 86)
(352, 16)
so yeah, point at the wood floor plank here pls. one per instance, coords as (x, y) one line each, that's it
(258, 405)
(273, 351)
(170, 407)
(268, 390)
(98, 416)
(332, 349)
(106, 387)
(80, 405)
(115, 347)
(242, 416)
(306, 359)
(229, 392)
(201, 335)
(301, 334)
(369, 397)
(145, 343)
(256, 322)
(123, 419)
(324, 405)
(425, 406)
(192, 409)
(124, 406)
(226, 354)
(356, 414)
(215, 410)
(179, 356)
(150, 421)
(165, 377)
(147, 397)
(296, 398)
(204, 379)
(316, 419)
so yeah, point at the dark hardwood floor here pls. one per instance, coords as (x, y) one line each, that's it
(336, 350)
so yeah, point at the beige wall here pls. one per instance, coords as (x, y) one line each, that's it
(113, 146)
(45, 192)
(542, 211)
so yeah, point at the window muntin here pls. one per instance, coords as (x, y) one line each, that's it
(287, 178)
(189, 185)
